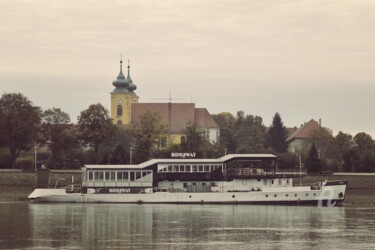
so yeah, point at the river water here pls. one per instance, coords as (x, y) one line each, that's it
(124, 226)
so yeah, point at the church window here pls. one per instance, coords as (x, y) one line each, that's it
(119, 110)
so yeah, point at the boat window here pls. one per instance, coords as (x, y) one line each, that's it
(286, 195)
(106, 176)
(176, 168)
(170, 168)
(307, 194)
(132, 176)
(182, 168)
(200, 168)
(188, 168)
(194, 168)
(295, 195)
(125, 176)
(119, 176)
(203, 184)
(101, 175)
(266, 195)
(194, 184)
(113, 174)
(275, 195)
(280, 182)
(91, 176)
(213, 184)
(212, 168)
(144, 173)
(272, 182)
(137, 175)
(206, 168)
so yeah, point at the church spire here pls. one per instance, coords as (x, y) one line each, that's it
(120, 81)
(129, 78)
(132, 86)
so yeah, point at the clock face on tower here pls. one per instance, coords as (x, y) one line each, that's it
(119, 101)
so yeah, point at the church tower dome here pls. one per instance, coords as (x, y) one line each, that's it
(132, 86)
(122, 98)
(120, 82)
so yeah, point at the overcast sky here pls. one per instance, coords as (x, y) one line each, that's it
(306, 59)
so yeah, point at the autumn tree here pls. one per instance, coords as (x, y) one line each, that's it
(95, 126)
(147, 135)
(277, 135)
(19, 123)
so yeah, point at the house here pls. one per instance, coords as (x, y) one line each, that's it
(299, 140)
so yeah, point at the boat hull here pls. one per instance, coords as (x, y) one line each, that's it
(329, 195)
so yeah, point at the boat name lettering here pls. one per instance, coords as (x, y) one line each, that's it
(119, 190)
(182, 155)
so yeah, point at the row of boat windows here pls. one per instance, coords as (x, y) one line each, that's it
(116, 175)
(287, 195)
(190, 168)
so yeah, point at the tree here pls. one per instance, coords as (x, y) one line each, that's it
(57, 134)
(226, 123)
(277, 135)
(342, 144)
(19, 123)
(364, 142)
(109, 151)
(323, 140)
(194, 138)
(312, 162)
(119, 155)
(147, 135)
(364, 152)
(95, 126)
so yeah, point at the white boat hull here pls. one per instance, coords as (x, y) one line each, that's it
(331, 195)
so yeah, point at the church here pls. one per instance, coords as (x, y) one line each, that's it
(126, 110)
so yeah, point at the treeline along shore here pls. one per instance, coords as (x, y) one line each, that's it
(16, 185)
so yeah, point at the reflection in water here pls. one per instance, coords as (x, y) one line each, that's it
(126, 226)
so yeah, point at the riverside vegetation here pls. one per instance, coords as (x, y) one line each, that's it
(94, 139)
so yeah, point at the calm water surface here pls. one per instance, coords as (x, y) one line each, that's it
(123, 226)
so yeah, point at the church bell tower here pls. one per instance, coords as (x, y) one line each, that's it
(122, 97)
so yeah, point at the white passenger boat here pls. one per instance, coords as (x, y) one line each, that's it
(235, 178)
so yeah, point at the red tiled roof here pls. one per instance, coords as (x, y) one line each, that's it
(305, 131)
(203, 119)
(182, 115)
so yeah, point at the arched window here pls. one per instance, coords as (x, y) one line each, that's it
(119, 110)
(119, 122)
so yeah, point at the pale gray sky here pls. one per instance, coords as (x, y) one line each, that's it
(302, 58)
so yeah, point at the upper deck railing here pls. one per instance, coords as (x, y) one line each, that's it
(257, 172)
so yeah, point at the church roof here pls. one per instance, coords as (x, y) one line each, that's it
(203, 119)
(182, 114)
